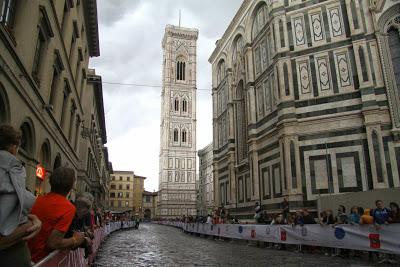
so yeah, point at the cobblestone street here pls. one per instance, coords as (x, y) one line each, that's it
(155, 245)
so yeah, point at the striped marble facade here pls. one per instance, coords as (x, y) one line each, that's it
(306, 97)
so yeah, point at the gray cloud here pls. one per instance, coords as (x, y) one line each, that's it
(130, 42)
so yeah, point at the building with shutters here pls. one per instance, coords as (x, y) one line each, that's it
(305, 102)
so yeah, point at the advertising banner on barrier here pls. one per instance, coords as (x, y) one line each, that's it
(363, 237)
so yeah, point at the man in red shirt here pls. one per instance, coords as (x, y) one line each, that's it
(56, 214)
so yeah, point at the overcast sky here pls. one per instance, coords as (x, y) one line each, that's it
(130, 46)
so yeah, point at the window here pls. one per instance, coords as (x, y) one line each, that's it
(120, 178)
(127, 195)
(67, 91)
(293, 164)
(120, 195)
(40, 46)
(221, 72)
(112, 195)
(176, 104)
(176, 135)
(127, 187)
(120, 187)
(128, 179)
(260, 19)
(7, 15)
(113, 185)
(377, 156)
(184, 136)
(286, 79)
(363, 64)
(126, 203)
(180, 70)
(184, 105)
(281, 33)
(354, 14)
(113, 178)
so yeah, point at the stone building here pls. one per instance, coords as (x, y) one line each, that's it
(306, 102)
(126, 192)
(94, 168)
(206, 181)
(45, 49)
(149, 205)
(178, 123)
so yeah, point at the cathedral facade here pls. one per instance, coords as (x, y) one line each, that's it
(305, 102)
(177, 172)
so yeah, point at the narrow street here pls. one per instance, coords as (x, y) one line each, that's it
(156, 245)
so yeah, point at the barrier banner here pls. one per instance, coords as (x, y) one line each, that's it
(356, 237)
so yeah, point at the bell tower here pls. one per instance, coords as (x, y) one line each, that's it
(177, 172)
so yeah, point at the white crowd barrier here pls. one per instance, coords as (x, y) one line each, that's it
(74, 258)
(386, 239)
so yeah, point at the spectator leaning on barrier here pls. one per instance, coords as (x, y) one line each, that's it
(366, 217)
(380, 214)
(16, 224)
(307, 218)
(354, 216)
(341, 217)
(56, 214)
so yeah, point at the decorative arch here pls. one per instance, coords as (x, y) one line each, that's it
(388, 25)
(4, 106)
(250, 22)
(259, 18)
(28, 137)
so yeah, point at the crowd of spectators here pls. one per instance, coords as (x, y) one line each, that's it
(31, 228)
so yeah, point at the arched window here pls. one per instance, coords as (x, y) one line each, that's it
(176, 104)
(293, 164)
(27, 139)
(241, 123)
(394, 48)
(181, 70)
(286, 79)
(176, 135)
(184, 105)
(44, 156)
(377, 156)
(363, 64)
(184, 136)
(281, 33)
(260, 18)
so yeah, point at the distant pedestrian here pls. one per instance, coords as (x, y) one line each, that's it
(285, 209)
